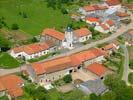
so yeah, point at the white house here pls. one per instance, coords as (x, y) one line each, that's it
(110, 23)
(103, 28)
(32, 50)
(92, 9)
(93, 21)
(82, 35)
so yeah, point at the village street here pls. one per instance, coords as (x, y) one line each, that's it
(126, 64)
(119, 32)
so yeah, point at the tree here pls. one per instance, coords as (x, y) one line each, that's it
(4, 43)
(51, 3)
(93, 96)
(15, 27)
(67, 78)
(34, 39)
(64, 11)
(121, 90)
(131, 64)
(1, 25)
(130, 77)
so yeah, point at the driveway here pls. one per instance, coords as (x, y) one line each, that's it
(83, 76)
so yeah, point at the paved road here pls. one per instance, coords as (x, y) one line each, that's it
(126, 64)
(119, 32)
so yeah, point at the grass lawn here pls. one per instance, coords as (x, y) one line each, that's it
(76, 93)
(4, 98)
(115, 62)
(43, 57)
(130, 50)
(53, 94)
(6, 61)
(39, 16)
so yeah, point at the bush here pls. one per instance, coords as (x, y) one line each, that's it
(64, 11)
(131, 64)
(130, 78)
(14, 27)
(67, 78)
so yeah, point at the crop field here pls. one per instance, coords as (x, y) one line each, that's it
(38, 15)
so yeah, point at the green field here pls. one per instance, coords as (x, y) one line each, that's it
(39, 16)
(6, 61)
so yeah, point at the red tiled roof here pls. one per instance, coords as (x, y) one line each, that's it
(109, 46)
(122, 14)
(66, 62)
(97, 69)
(52, 65)
(53, 33)
(15, 92)
(2, 88)
(94, 7)
(105, 27)
(110, 22)
(92, 19)
(113, 2)
(12, 84)
(82, 32)
(88, 8)
(31, 48)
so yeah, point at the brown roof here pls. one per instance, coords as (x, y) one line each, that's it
(105, 27)
(97, 69)
(82, 32)
(12, 84)
(53, 33)
(113, 2)
(32, 48)
(122, 14)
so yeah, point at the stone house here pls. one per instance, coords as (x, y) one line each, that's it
(51, 70)
(52, 35)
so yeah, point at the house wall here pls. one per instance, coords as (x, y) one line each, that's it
(56, 75)
(27, 56)
(98, 59)
(82, 11)
(47, 37)
(85, 38)
(100, 29)
(2, 93)
(92, 23)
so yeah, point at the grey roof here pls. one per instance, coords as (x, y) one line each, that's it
(94, 86)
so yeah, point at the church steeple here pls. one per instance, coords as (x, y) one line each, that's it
(68, 42)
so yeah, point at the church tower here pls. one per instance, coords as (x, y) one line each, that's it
(68, 42)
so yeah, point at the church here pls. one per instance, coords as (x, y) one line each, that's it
(66, 39)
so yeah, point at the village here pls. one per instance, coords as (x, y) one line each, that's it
(79, 58)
